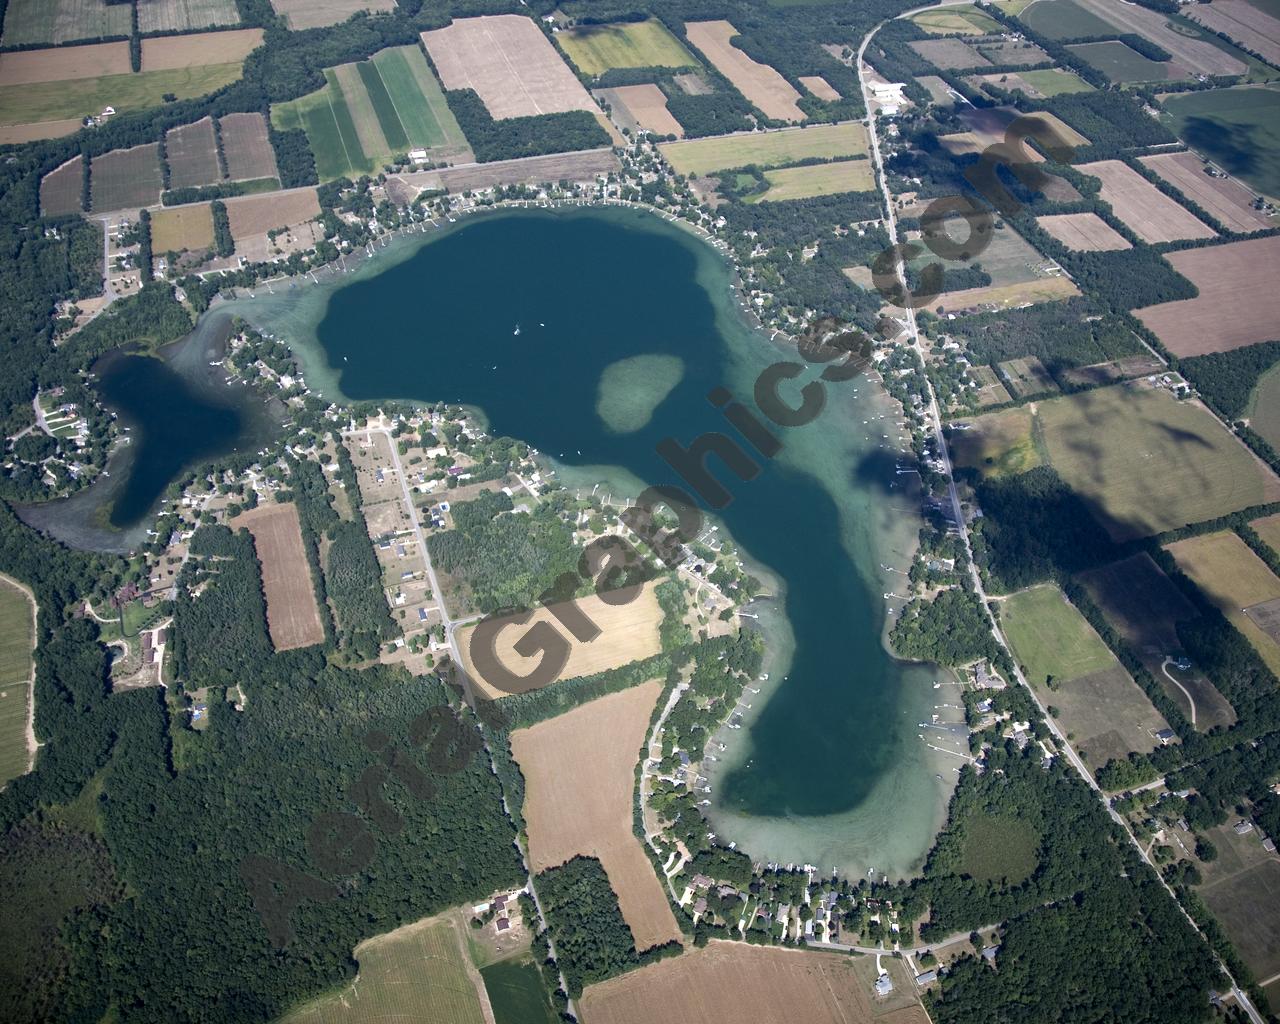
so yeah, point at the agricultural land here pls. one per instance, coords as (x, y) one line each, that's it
(642, 106)
(1084, 232)
(766, 149)
(292, 615)
(192, 155)
(31, 22)
(180, 228)
(126, 178)
(17, 641)
(1228, 200)
(1147, 211)
(817, 180)
(1239, 129)
(595, 49)
(772, 94)
(302, 14)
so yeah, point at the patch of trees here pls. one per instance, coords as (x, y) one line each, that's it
(514, 137)
(221, 190)
(951, 629)
(149, 319)
(1112, 122)
(353, 581)
(294, 159)
(1226, 379)
(223, 242)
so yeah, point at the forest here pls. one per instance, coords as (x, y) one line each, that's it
(514, 137)
(1226, 380)
(353, 582)
(950, 629)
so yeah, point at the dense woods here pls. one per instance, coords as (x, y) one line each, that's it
(1226, 379)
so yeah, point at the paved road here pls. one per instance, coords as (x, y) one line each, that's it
(935, 419)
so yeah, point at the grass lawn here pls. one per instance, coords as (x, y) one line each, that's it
(516, 992)
(1121, 63)
(999, 849)
(956, 22)
(17, 639)
(594, 49)
(1062, 19)
(817, 180)
(418, 972)
(53, 101)
(1055, 81)
(1052, 640)
(765, 149)
(1238, 128)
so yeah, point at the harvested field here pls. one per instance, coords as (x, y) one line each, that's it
(1147, 211)
(192, 155)
(583, 166)
(509, 63)
(1238, 303)
(1026, 376)
(817, 180)
(1225, 198)
(989, 124)
(63, 21)
(186, 15)
(1121, 63)
(416, 973)
(1113, 370)
(17, 671)
(201, 48)
(1196, 55)
(766, 149)
(14, 134)
(1242, 889)
(1145, 462)
(772, 94)
(1145, 607)
(292, 617)
(179, 228)
(1236, 580)
(820, 87)
(595, 49)
(962, 21)
(302, 14)
(642, 106)
(1084, 232)
(629, 632)
(1268, 528)
(64, 63)
(999, 443)
(1008, 296)
(579, 771)
(1052, 640)
(246, 147)
(735, 981)
(126, 179)
(949, 54)
(256, 215)
(60, 189)
(1242, 22)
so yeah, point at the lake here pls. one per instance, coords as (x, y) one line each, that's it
(595, 334)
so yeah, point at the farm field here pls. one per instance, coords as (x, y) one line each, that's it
(185, 15)
(1239, 129)
(192, 155)
(1144, 606)
(726, 981)
(17, 641)
(1012, 53)
(1053, 642)
(1226, 199)
(418, 972)
(169, 52)
(1008, 296)
(509, 63)
(292, 617)
(516, 993)
(819, 87)
(963, 22)
(64, 63)
(1065, 19)
(642, 106)
(1242, 888)
(60, 189)
(765, 149)
(991, 390)
(302, 14)
(1055, 81)
(256, 215)
(176, 228)
(817, 180)
(15, 134)
(1195, 55)
(629, 632)
(126, 179)
(1148, 212)
(370, 111)
(1107, 714)
(1121, 63)
(1026, 376)
(1238, 302)
(1000, 443)
(594, 49)
(1237, 581)
(1084, 232)
(1268, 528)
(1264, 407)
(63, 21)
(38, 102)
(579, 771)
(1018, 273)
(1114, 369)
(949, 54)
(247, 148)
(772, 94)
(1241, 22)
(989, 125)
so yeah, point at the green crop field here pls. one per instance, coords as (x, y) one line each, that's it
(1062, 19)
(817, 180)
(63, 21)
(1121, 63)
(1238, 128)
(1264, 407)
(766, 149)
(400, 106)
(956, 22)
(516, 992)
(1055, 81)
(418, 972)
(17, 633)
(1051, 639)
(998, 849)
(594, 49)
(53, 101)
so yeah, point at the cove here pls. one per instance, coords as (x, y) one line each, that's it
(520, 315)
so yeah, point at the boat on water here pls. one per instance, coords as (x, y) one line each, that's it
(516, 332)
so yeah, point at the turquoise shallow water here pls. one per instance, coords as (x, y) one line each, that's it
(520, 315)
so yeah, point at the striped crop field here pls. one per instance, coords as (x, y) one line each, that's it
(372, 111)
